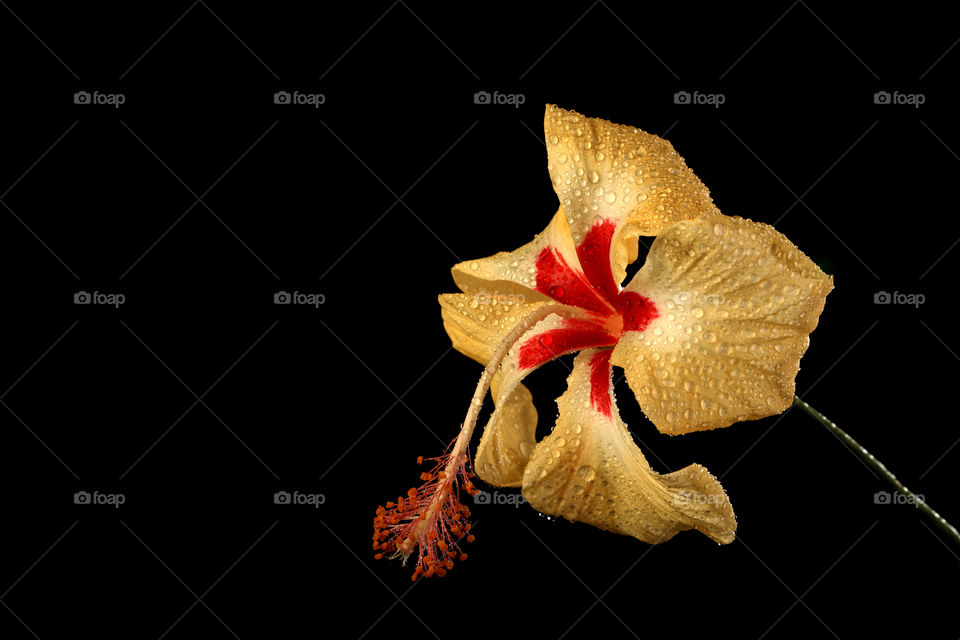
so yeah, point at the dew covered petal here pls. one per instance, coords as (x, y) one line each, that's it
(589, 470)
(620, 177)
(736, 303)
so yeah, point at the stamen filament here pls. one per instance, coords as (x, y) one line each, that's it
(470, 421)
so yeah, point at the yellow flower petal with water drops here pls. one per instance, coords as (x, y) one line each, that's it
(736, 303)
(633, 181)
(589, 470)
(519, 274)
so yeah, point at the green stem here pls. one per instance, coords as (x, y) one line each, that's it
(878, 466)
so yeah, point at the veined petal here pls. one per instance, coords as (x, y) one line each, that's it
(510, 434)
(589, 470)
(737, 302)
(544, 268)
(478, 322)
(615, 183)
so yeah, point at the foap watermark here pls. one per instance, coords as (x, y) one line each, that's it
(95, 497)
(710, 99)
(895, 497)
(98, 98)
(300, 298)
(697, 298)
(896, 97)
(485, 97)
(498, 497)
(298, 498)
(897, 297)
(299, 98)
(690, 497)
(99, 298)
(485, 297)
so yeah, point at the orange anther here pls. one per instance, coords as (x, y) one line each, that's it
(463, 557)
(441, 544)
(471, 538)
(419, 459)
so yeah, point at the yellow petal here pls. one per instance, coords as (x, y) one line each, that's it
(545, 268)
(737, 302)
(477, 322)
(619, 175)
(589, 470)
(510, 272)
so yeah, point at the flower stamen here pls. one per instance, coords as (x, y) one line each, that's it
(426, 521)
(432, 515)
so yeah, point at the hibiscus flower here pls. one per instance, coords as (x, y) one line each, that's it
(708, 332)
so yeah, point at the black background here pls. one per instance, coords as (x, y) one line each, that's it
(199, 398)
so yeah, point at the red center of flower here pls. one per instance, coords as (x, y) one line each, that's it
(593, 290)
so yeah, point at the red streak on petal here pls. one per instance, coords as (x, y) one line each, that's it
(594, 255)
(572, 335)
(559, 281)
(636, 310)
(600, 382)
